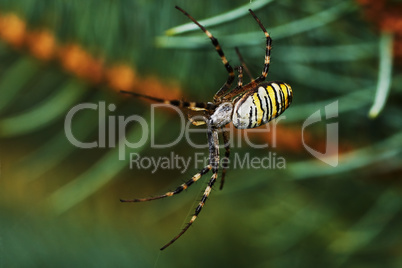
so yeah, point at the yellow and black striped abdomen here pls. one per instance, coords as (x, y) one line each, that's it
(262, 104)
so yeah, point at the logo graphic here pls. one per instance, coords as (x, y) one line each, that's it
(331, 153)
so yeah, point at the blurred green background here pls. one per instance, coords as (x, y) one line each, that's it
(60, 204)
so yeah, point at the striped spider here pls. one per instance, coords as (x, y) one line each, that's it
(246, 106)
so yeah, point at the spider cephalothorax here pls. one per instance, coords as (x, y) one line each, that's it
(248, 106)
(222, 115)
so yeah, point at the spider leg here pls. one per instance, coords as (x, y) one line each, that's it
(196, 122)
(267, 50)
(225, 160)
(243, 64)
(226, 86)
(178, 189)
(197, 210)
(267, 60)
(214, 163)
(192, 105)
(239, 87)
(240, 76)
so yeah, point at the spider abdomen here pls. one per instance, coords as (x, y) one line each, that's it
(262, 104)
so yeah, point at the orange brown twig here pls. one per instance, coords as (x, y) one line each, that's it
(43, 45)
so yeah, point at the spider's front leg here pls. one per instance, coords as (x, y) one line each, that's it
(197, 120)
(178, 190)
(213, 144)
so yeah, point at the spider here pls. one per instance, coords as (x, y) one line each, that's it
(246, 106)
